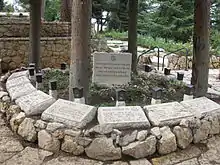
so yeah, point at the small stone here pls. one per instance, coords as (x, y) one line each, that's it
(167, 143)
(140, 162)
(59, 134)
(128, 138)
(2, 94)
(141, 149)
(16, 121)
(74, 133)
(54, 126)
(101, 129)
(185, 123)
(83, 141)
(48, 142)
(118, 163)
(40, 124)
(14, 109)
(103, 149)
(201, 133)
(214, 125)
(6, 99)
(156, 132)
(70, 146)
(116, 131)
(27, 130)
(141, 136)
(184, 136)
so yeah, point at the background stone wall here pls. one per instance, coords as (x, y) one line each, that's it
(14, 52)
(21, 29)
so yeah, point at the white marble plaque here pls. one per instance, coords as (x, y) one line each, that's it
(202, 106)
(123, 117)
(167, 113)
(16, 82)
(35, 103)
(111, 68)
(69, 113)
(18, 74)
(21, 90)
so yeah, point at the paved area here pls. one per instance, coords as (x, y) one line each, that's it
(13, 153)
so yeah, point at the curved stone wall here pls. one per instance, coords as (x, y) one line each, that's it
(106, 133)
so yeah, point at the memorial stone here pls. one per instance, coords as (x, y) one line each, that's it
(16, 82)
(201, 106)
(35, 103)
(167, 113)
(21, 90)
(69, 113)
(123, 117)
(111, 68)
(18, 74)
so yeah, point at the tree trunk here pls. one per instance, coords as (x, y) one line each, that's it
(65, 11)
(43, 8)
(132, 32)
(200, 68)
(1, 5)
(80, 53)
(35, 26)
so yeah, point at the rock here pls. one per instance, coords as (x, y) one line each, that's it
(47, 141)
(140, 162)
(40, 124)
(118, 163)
(156, 132)
(214, 125)
(2, 94)
(29, 156)
(167, 143)
(101, 129)
(13, 109)
(54, 126)
(185, 123)
(16, 121)
(201, 133)
(183, 136)
(103, 149)
(27, 130)
(70, 146)
(128, 138)
(59, 134)
(141, 136)
(141, 149)
(83, 141)
(6, 99)
(74, 133)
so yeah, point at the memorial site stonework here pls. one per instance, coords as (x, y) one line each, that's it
(107, 133)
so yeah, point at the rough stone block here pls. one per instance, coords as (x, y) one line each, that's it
(18, 74)
(69, 113)
(123, 117)
(16, 82)
(167, 113)
(35, 103)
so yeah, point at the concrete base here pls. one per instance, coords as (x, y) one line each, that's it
(155, 101)
(80, 100)
(120, 104)
(53, 93)
(187, 97)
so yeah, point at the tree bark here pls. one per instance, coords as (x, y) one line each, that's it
(200, 68)
(35, 26)
(65, 11)
(43, 8)
(80, 50)
(132, 33)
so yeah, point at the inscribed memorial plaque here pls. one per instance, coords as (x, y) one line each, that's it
(69, 113)
(16, 82)
(35, 103)
(111, 68)
(123, 117)
(18, 74)
(201, 106)
(21, 90)
(167, 113)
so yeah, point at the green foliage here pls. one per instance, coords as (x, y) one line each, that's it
(52, 10)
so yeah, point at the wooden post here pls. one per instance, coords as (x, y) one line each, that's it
(200, 68)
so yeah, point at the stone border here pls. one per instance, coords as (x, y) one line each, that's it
(103, 142)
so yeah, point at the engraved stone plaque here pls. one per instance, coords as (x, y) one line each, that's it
(111, 68)
(167, 113)
(35, 103)
(69, 113)
(201, 106)
(123, 117)
(18, 74)
(21, 90)
(16, 82)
